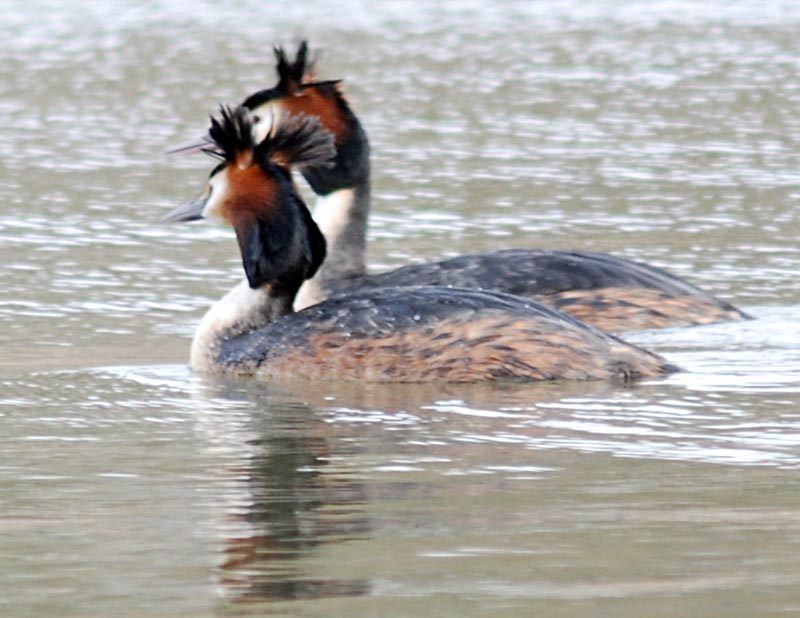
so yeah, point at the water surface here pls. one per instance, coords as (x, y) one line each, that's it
(664, 132)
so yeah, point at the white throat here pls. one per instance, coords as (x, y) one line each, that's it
(334, 214)
(241, 310)
(342, 219)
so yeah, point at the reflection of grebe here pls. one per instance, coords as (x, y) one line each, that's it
(276, 503)
(608, 292)
(395, 334)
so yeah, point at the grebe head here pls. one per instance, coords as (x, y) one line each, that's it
(299, 92)
(251, 189)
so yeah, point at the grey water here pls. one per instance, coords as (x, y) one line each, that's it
(666, 132)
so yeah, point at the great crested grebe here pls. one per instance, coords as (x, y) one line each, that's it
(611, 293)
(391, 334)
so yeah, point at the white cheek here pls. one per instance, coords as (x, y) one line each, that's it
(267, 114)
(219, 187)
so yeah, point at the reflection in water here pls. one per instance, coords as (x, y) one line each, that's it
(287, 500)
(437, 470)
(666, 132)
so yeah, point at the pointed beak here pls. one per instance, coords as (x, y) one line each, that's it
(192, 211)
(192, 146)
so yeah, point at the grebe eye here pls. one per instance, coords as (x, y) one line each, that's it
(256, 119)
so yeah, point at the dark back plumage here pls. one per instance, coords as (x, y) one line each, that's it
(433, 334)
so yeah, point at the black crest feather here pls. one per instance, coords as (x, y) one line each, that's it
(231, 133)
(297, 74)
(290, 73)
(298, 140)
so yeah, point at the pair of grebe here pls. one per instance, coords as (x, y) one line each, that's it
(400, 334)
(374, 328)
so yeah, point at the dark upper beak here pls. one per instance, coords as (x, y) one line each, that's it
(191, 211)
(193, 146)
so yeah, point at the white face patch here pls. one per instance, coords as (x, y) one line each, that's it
(217, 188)
(264, 117)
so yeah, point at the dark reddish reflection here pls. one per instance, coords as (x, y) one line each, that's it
(299, 504)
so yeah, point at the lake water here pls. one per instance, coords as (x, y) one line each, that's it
(662, 131)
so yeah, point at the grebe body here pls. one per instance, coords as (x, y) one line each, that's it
(609, 292)
(427, 334)
(384, 334)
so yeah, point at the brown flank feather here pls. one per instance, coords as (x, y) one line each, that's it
(491, 348)
(615, 309)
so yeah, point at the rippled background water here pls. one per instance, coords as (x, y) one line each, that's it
(666, 132)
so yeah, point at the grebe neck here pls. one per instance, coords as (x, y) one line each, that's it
(342, 217)
(240, 311)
